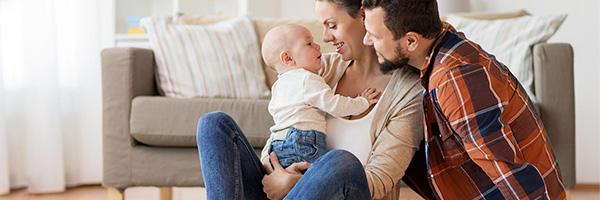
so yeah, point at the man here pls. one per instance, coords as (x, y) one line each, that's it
(483, 139)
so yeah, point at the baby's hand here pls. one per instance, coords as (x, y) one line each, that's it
(371, 94)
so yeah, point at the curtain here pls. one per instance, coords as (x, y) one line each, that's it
(50, 93)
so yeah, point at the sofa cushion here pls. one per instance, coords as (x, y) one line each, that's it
(163, 121)
(491, 15)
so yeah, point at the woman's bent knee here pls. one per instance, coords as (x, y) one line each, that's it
(213, 118)
(208, 122)
(345, 159)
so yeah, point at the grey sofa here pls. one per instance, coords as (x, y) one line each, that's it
(149, 140)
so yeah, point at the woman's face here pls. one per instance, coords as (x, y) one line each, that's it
(341, 30)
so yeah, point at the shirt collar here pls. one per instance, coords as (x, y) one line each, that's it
(445, 28)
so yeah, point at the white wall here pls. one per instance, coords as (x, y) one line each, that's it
(297, 9)
(263, 8)
(289, 9)
(582, 31)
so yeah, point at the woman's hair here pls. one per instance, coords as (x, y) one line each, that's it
(352, 6)
(402, 16)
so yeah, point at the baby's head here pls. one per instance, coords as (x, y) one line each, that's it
(291, 46)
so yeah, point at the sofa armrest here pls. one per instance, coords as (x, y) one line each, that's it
(554, 89)
(126, 73)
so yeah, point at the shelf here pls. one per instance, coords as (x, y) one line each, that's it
(136, 37)
(126, 40)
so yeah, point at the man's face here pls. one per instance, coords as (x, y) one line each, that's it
(390, 52)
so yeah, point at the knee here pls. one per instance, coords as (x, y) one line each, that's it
(208, 122)
(345, 161)
(213, 118)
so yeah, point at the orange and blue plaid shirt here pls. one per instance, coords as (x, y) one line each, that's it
(483, 138)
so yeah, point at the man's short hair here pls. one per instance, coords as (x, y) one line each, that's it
(403, 16)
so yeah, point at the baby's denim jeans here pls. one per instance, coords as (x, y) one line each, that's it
(299, 146)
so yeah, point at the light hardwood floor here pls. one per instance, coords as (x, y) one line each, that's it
(151, 193)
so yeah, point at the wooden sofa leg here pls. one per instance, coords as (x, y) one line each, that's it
(166, 193)
(115, 194)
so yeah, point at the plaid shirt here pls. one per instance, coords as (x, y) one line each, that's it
(483, 138)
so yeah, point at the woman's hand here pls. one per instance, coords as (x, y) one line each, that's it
(280, 181)
(267, 165)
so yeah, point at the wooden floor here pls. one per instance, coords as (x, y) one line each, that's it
(150, 193)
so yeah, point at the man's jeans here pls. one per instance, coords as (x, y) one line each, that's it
(232, 170)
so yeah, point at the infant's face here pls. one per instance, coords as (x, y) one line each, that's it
(305, 51)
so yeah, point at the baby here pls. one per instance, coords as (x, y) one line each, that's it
(301, 98)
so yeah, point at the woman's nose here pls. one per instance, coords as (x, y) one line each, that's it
(318, 47)
(327, 37)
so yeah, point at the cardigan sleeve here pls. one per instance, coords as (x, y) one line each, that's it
(397, 131)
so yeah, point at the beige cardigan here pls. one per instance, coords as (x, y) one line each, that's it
(396, 130)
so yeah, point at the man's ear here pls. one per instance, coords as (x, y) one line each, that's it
(286, 59)
(412, 40)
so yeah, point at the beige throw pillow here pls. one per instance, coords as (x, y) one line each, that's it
(212, 60)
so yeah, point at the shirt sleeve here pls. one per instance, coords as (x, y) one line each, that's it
(395, 147)
(318, 94)
(474, 109)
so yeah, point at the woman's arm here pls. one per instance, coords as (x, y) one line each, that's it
(394, 147)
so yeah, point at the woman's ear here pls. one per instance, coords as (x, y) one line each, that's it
(286, 59)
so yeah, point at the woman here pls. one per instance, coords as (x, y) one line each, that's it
(378, 144)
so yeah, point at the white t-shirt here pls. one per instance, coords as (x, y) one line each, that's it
(351, 135)
(300, 99)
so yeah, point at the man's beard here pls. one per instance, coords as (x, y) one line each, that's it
(390, 65)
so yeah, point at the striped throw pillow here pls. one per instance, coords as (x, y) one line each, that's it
(212, 60)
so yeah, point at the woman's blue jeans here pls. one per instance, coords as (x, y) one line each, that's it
(232, 170)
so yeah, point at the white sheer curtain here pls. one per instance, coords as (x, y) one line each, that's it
(50, 94)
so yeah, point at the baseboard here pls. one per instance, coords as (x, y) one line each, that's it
(588, 187)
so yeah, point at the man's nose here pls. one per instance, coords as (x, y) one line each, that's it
(367, 41)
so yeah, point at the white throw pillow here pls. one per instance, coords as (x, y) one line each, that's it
(511, 40)
(212, 60)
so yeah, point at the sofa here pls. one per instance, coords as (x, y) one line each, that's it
(149, 139)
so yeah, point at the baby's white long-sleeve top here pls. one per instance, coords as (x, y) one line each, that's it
(300, 99)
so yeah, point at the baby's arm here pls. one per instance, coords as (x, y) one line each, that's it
(318, 94)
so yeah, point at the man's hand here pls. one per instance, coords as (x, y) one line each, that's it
(280, 181)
